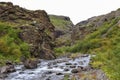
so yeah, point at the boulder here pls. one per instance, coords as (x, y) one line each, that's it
(30, 64)
(74, 71)
(9, 63)
(7, 69)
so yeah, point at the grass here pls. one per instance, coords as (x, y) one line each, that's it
(106, 49)
(11, 46)
(60, 24)
(64, 26)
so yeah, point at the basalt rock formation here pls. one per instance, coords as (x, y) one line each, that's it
(35, 28)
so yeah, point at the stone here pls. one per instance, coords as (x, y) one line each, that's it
(68, 63)
(59, 73)
(61, 67)
(48, 72)
(30, 64)
(74, 70)
(56, 66)
(66, 69)
(21, 72)
(72, 66)
(9, 63)
(7, 69)
(75, 63)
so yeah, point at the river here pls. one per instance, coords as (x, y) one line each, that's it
(49, 69)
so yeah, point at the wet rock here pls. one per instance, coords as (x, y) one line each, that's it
(59, 73)
(61, 67)
(72, 66)
(68, 63)
(31, 73)
(54, 63)
(49, 64)
(56, 66)
(48, 72)
(21, 72)
(59, 61)
(66, 69)
(30, 64)
(84, 60)
(74, 70)
(80, 67)
(75, 63)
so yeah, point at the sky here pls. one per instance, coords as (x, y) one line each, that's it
(77, 10)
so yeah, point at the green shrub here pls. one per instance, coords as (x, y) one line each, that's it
(11, 46)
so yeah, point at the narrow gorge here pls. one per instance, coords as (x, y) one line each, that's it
(35, 45)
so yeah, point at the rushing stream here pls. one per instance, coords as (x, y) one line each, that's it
(49, 69)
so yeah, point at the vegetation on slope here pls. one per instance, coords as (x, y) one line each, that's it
(61, 22)
(104, 43)
(11, 46)
(63, 27)
(35, 29)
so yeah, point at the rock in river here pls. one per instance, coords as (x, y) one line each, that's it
(74, 71)
(30, 64)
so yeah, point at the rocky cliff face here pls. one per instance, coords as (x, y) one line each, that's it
(36, 28)
(63, 28)
(83, 28)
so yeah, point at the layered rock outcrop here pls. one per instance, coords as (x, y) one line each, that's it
(35, 28)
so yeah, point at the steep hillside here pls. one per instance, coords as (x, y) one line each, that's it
(83, 28)
(100, 36)
(63, 28)
(25, 32)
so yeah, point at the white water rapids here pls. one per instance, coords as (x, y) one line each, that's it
(47, 69)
